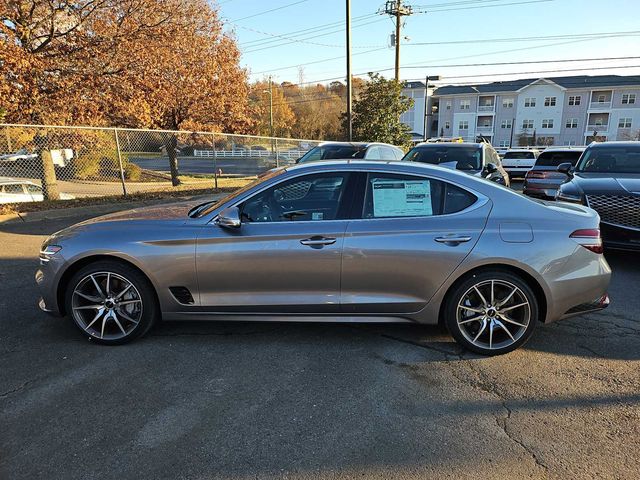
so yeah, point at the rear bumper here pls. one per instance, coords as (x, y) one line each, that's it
(540, 192)
(594, 306)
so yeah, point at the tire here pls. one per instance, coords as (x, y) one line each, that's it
(125, 312)
(486, 326)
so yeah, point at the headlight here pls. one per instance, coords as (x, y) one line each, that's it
(49, 251)
(568, 197)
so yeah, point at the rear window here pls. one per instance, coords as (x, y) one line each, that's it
(553, 159)
(517, 155)
(461, 158)
(333, 152)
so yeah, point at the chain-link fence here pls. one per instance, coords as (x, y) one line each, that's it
(39, 162)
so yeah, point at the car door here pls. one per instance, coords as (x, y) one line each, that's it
(412, 233)
(286, 255)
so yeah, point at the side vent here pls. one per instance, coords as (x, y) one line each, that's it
(182, 295)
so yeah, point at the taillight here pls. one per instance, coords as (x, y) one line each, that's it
(589, 238)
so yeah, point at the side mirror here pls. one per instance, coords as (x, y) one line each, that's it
(490, 168)
(229, 218)
(565, 168)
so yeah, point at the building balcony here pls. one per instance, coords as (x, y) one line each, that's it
(600, 105)
(484, 129)
(486, 108)
(599, 127)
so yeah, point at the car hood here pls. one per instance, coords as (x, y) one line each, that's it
(593, 183)
(172, 211)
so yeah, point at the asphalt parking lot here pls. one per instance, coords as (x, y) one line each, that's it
(251, 400)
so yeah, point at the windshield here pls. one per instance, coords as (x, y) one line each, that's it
(611, 160)
(553, 159)
(208, 207)
(333, 152)
(461, 158)
(509, 155)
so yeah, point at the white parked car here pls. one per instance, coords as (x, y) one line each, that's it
(518, 161)
(21, 154)
(13, 190)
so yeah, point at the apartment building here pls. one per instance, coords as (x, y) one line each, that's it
(547, 111)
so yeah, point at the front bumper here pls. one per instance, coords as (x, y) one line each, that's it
(620, 238)
(47, 277)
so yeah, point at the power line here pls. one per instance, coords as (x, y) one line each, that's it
(498, 40)
(489, 6)
(252, 50)
(306, 31)
(269, 11)
(540, 71)
(525, 39)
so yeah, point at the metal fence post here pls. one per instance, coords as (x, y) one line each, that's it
(124, 186)
(215, 162)
(277, 154)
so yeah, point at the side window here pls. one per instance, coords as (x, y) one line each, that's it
(309, 198)
(399, 154)
(374, 153)
(389, 195)
(33, 189)
(13, 189)
(387, 153)
(456, 199)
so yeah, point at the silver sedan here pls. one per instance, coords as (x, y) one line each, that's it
(352, 241)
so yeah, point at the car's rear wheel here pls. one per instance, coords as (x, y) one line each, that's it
(111, 302)
(491, 313)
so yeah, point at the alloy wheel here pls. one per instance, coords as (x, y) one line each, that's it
(106, 305)
(493, 314)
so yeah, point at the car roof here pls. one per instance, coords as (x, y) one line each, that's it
(568, 148)
(4, 180)
(614, 144)
(355, 144)
(522, 150)
(449, 144)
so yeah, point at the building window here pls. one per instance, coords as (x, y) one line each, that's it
(572, 123)
(629, 98)
(504, 143)
(624, 123)
(465, 104)
(527, 123)
(545, 141)
(448, 105)
(575, 100)
(602, 99)
(529, 102)
(549, 101)
(506, 124)
(447, 125)
(507, 103)
(547, 123)
(463, 125)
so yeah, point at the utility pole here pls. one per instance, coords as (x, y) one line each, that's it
(270, 93)
(349, 83)
(395, 8)
(427, 110)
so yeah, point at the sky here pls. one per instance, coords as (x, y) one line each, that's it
(485, 29)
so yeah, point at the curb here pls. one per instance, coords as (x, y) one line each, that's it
(91, 210)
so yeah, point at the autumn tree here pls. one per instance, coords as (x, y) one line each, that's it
(283, 116)
(376, 113)
(134, 63)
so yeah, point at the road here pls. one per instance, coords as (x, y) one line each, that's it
(252, 400)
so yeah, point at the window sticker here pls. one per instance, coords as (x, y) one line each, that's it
(317, 216)
(401, 198)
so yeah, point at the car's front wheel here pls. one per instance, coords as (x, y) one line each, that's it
(111, 302)
(491, 313)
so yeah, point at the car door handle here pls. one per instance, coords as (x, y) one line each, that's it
(453, 239)
(318, 241)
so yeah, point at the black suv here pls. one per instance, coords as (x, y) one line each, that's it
(607, 179)
(479, 159)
